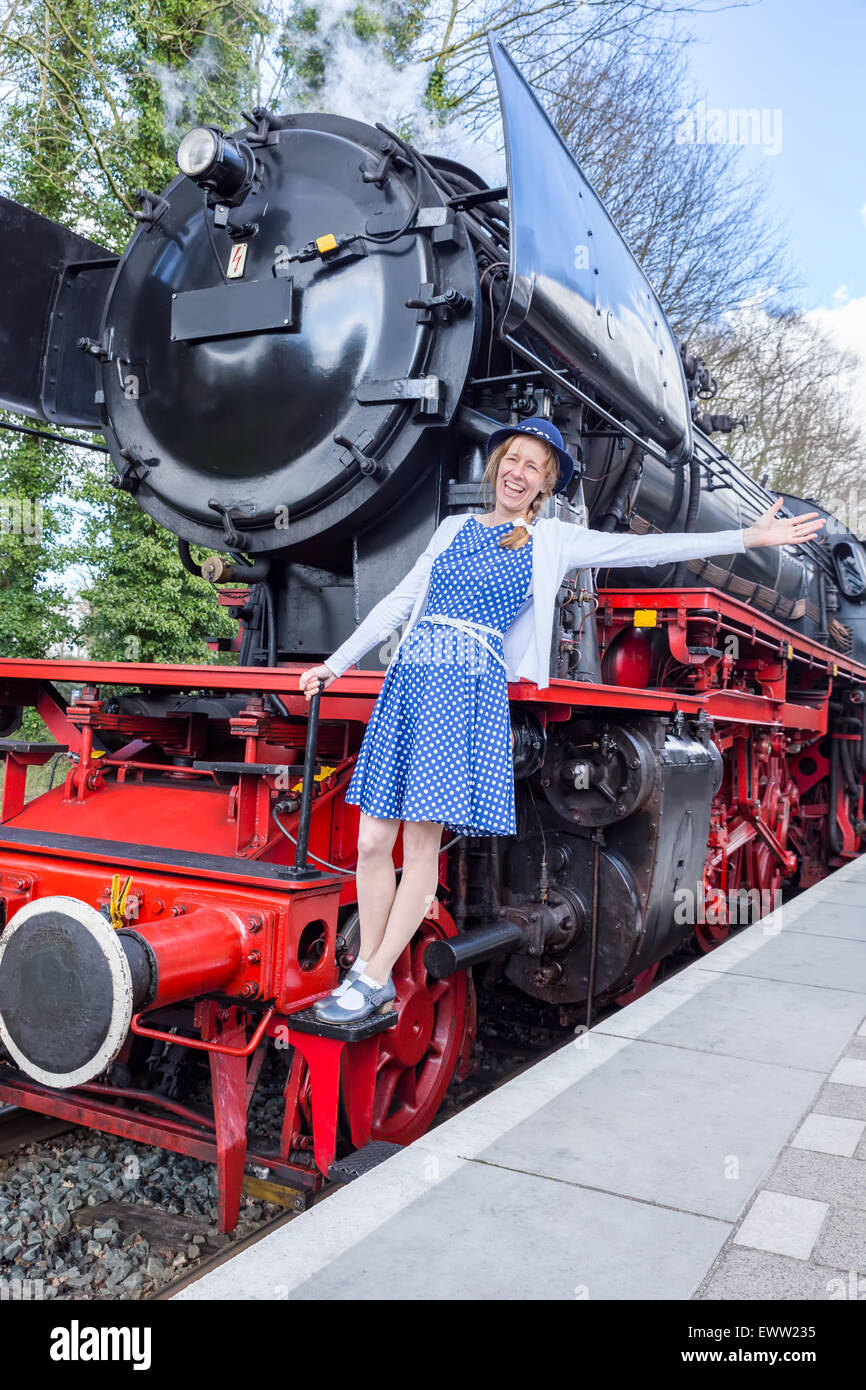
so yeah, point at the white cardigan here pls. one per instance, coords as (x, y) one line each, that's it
(558, 547)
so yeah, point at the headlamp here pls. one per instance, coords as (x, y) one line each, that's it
(219, 163)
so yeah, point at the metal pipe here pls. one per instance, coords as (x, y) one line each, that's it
(836, 838)
(598, 837)
(444, 958)
(305, 813)
(681, 573)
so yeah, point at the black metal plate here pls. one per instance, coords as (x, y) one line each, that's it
(362, 1161)
(56, 992)
(228, 311)
(37, 349)
(355, 1030)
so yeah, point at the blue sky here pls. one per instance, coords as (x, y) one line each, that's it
(807, 60)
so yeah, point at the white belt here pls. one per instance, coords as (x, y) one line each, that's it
(466, 625)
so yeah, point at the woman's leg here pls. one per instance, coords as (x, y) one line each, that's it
(421, 840)
(375, 879)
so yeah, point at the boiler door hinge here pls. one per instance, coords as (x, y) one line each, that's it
(427, 393)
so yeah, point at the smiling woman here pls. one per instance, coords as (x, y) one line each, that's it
(523, 470)
(437, 749)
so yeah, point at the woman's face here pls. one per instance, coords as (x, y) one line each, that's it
(522, 471)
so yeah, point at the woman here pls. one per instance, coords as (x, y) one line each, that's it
(437, 750)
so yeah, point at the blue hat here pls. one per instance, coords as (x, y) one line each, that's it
(542, 429)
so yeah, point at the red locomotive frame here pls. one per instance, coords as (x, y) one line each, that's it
(254, 949)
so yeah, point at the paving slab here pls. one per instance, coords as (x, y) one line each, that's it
(849, 1071)
(833, 918)
(829, 1134)
(796, 956)
(688, 1129)
(752, 1018)
(527, 1238)
(835, 889)
(783, 1225)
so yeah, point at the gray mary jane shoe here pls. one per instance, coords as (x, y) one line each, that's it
(378, 999)
(347, 982)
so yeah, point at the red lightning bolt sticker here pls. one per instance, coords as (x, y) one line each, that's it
(237, 260)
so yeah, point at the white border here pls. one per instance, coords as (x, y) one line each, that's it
(121, 981)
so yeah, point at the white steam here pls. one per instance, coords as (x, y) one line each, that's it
(184, 90)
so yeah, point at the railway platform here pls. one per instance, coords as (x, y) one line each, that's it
(706, 1142)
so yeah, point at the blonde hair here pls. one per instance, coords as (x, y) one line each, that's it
(518, 536)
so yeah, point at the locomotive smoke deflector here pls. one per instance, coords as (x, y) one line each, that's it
(574, 284)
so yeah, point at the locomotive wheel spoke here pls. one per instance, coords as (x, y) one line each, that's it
(407, 1087)
(386, 1084)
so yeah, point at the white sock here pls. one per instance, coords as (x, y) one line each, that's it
(353, 999)
(358, 968)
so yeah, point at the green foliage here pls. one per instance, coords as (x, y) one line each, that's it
(33, 522)
(142, 605)
(103, 91)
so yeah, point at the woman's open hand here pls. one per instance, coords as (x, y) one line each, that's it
(771, 529)
(315, 679)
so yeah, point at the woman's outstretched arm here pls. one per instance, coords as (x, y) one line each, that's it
(386, 616)
(585, 547)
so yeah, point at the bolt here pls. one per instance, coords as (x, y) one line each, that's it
(254, 957)
(255, 924)
(250, 989)
(22, 885)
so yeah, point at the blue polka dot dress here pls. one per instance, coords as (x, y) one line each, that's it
(438, 744)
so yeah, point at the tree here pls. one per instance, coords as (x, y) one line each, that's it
(34, 478)
(98, 95)
(795, 386)
(693, 217)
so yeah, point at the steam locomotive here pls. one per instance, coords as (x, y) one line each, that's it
(296, 364)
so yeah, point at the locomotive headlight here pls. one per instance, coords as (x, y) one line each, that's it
(219, 163)
(197, 152)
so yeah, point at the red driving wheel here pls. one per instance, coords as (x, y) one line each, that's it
(418, 1057)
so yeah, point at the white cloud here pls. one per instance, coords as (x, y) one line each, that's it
(845, 324)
